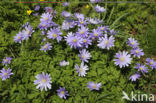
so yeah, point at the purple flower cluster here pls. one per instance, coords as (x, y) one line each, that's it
(5, 74)
(24, 34)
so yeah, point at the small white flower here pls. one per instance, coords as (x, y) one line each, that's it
(82, 69)
(64, 63)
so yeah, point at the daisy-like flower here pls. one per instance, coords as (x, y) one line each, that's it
(64, 63)
(18, 38)
(141, 68)
(123, 59)
(44, 25)
(134, 77)
(84, 55)
(81, 22)
(62, 93)
(73, 41)
(67, 24)
(48, 9)
(86, 42)
(94, 86)
(132, 43)
(7, 60)
(43, 81)
(79, 16)
(82, 69)
(151, 63)
(82, 32)
(65, 4)
(111, 31)
(94, 1)
(46, 47)
(5, 73)
(103, 28)
(96, 33)
(94, 21)
(137, 52)
(27, 32)
(46, 17)
(66, 14)
(54, 34)
(37, 7)
(106, 42)
(99, 9)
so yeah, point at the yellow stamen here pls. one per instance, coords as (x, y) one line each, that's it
(6, 60)
(5, 74)
(74, 40)
(81, 32)
(122, 59)
(55, 35)
(106, 42)
(81, 70)
(45, 46)
(19, 37)
(94, 86)
(46, 18)
(151, 63)
(132, 43)
(43, 25)
(43, 80)
(84, 41)
(62, 92)
(95, 34)
(102, 28)
(81, 22)
(137, 51)
(83, 56)
(141, 68)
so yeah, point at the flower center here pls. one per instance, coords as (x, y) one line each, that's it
(122, 59)
(5, 74)
(46, 18)
(74, 40)
(82, 32)
(6, 60)
(19, 37)
(141, 68)
(81, 70)
(106, 42)
(81, 22)
(68, 24)
(83, 56)
(94, 86)
(102, 28)
(151, 63)
(43, 25)
(45, 46)
(85, 41)
(132, 43)
(43, 80)
(55, 35)
(137, 51)
(28, 32)
(62, 92)
(95, 34)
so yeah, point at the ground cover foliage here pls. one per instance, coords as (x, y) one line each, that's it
(130, 20)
